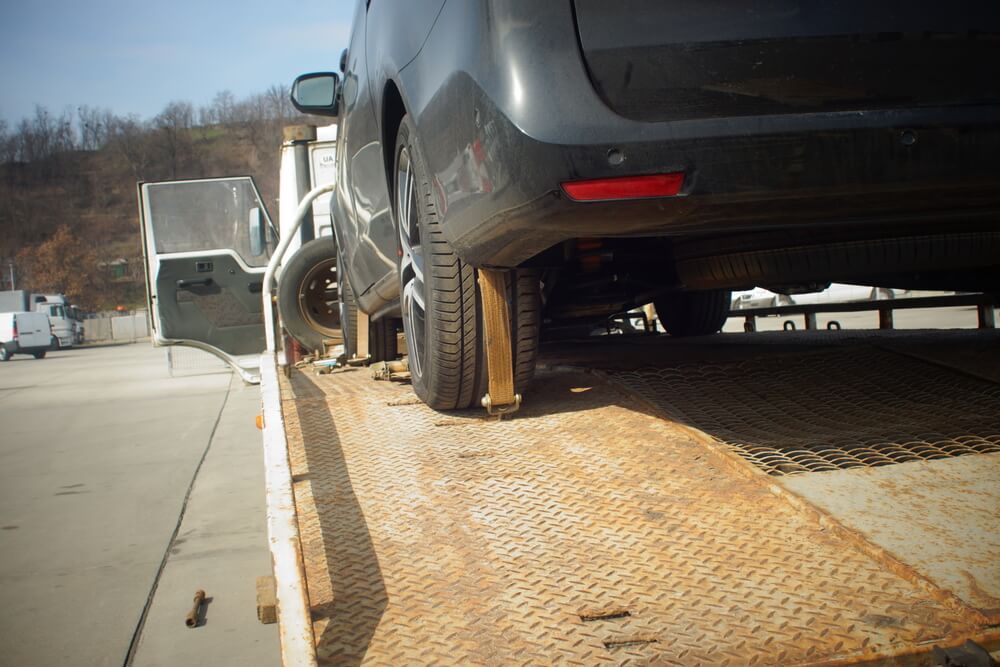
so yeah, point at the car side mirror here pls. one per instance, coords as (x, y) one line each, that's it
(316, 93)
(257, 241)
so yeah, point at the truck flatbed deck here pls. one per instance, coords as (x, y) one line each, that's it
(745, 499)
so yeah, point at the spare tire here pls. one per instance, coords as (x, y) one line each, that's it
(308, 291)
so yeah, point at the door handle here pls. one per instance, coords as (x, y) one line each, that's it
(255, 288)
(193, 282)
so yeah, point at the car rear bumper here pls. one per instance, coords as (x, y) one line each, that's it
(14, 347)
(502, 134)
(933, 167)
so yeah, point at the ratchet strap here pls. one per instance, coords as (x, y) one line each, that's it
(500, 398)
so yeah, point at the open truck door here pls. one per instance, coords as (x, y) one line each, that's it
(206, 246)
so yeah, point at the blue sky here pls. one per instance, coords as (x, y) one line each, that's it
(135, 57)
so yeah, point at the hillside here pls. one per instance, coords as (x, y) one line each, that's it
(68, 192)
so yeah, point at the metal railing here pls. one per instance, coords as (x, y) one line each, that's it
(305, 206)
(985, 304)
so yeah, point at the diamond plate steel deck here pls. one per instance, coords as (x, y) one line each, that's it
(851, 407)
(584, 531)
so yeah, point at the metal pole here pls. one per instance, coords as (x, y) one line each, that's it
(885, 318)
(11, 265)
(305, 206)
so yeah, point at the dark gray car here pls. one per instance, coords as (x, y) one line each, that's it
(612, 154)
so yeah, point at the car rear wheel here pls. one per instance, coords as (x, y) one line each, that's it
(442, 315)
(38, 355)
(693, 313)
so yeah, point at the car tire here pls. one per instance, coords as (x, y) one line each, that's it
(381, 333)
(38, 355)
(308, 294)
(442, 313)
(693, 313)
(5, 354)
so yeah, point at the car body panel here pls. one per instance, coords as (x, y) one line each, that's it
(689, 59)
(505, 111)
(367, 233)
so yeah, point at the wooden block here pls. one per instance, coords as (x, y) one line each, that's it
(362, 324)
(267, 600)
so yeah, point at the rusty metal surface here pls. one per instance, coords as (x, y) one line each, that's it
(978, 357)
(941, 517)
(584, 531)
(295, 632)
(845, 407)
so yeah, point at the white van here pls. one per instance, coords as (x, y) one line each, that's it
(24, 333)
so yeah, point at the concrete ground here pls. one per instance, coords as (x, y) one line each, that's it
(100, 451)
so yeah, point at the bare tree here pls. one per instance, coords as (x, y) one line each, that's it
(280, 103)
(223, 107)
(8, 148)
(95, 126)
(43, 135)
(174, 124)
(129, 138)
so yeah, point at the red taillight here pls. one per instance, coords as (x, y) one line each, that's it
(14, 335)
(625, 187)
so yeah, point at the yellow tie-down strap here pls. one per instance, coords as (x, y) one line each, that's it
(500, 398)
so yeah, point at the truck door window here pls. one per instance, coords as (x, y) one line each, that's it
(198, 216)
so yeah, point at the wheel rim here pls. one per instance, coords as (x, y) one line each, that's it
(319, 298)
(411, 262)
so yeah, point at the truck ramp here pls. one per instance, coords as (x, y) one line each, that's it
(654, 508)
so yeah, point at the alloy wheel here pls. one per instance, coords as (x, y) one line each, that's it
(411, 261)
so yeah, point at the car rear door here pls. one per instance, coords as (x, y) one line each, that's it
(663, 61)
(206, 245)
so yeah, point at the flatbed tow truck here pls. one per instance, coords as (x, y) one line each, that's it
(767, 498)
(764, 498)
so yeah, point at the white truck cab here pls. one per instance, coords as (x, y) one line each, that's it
(62, 325)
(24, 333)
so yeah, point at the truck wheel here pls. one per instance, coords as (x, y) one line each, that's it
(381, 333)
(308, 294)
(5, 354)
(693, 313)
(38, 355)
(442, 315)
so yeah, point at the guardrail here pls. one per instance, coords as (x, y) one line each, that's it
(985, 304)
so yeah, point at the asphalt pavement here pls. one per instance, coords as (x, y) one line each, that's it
(122, 491)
